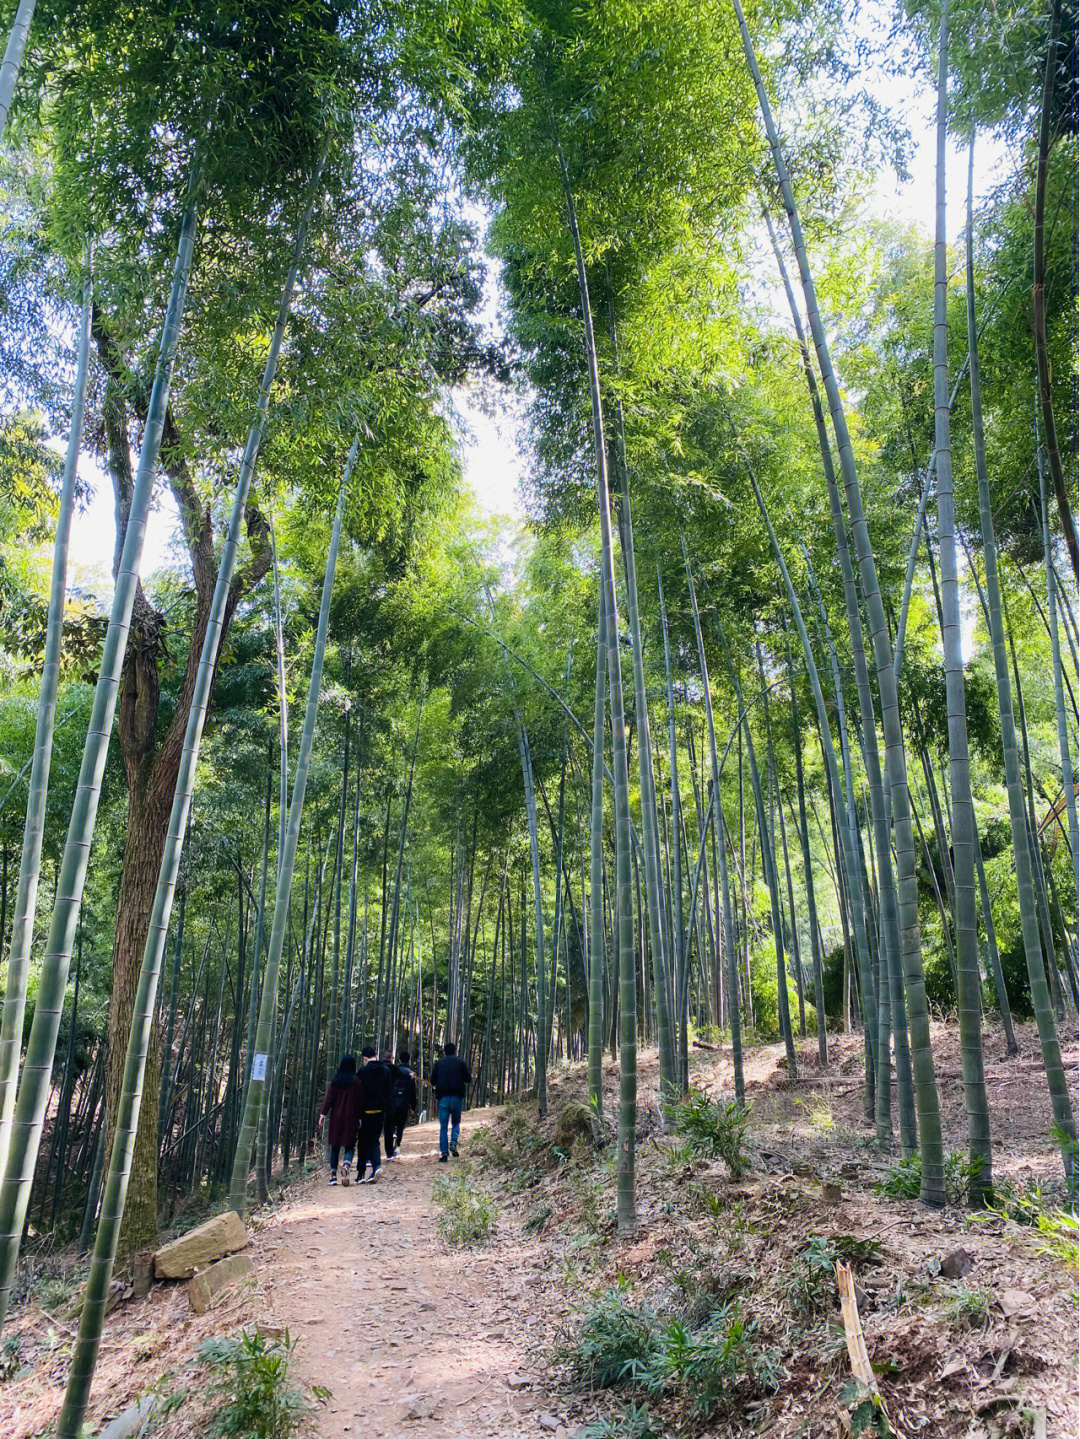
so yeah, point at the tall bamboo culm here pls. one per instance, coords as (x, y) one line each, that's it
(268, 1003)
(11, 1026)
(1060, 1098)
(41, 1048)
(969, 1008)
(84, 1359)
(932, 1189)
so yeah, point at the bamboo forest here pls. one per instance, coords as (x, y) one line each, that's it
(538, 656)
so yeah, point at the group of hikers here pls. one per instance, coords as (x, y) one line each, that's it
(366, 1109)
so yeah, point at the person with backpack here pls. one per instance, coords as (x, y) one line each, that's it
(342, 1104)
(402, 1103)
(450, 1078)
(375, 1082)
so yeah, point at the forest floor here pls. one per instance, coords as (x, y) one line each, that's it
(412, 1336)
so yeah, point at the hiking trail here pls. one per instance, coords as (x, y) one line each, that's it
(412, 1337)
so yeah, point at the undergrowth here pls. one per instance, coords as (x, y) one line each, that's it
(904, 1179)
(468, 1214)
(251, 1374)
(708, 1368)
(713, 1129)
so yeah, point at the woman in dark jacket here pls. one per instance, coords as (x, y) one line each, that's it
(343, 1100)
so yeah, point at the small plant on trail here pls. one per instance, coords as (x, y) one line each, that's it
(614, 1337)
(253, 1372)
(632, 1423)
(1060, 1237)
(537, 1217)
(968, 1307)
(713, 1130)
(10, 1357)
(623, 1345)
(468, 1214)
(904, 1179)
(812, 1285)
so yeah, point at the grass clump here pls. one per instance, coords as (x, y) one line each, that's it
(968, 1307)
(904, 1179)
(713, 1129)
(251, 1374)
(538, 1216)
(616, 1337)
(468, 1214)
(632, 1423)
(622, 1345)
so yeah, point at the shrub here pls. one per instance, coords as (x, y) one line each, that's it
(904, 1179)
(705, 1366)
(615, 1337)
(468, 1214)
(812, 1283)
(623, 1345)
(253, 1372)
(763, 993)
(714, 1130)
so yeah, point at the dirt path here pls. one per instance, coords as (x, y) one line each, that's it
(411, 1337)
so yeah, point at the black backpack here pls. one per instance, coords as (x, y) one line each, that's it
(400, 1090)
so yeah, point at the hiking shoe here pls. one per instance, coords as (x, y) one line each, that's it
(453, 1150)
(333, 1176)
(345, 1176)
(444, 1158)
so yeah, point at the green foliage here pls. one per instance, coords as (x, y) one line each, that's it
(706, 1367)
(714, 1129)
(812, 1283)
(867, 1410)
(904, 1178)
(10, 1357)
(622, 1344)
(764, 995)
(252, 1375)
(615, 1336)
(633, 1423)
(468, 1214)
(969, 1306)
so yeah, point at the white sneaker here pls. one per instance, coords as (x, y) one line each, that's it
(345, 1180)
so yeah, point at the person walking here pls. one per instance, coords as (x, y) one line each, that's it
(342, 1106)
(450, 1078)
(402, 1103)
(375, 1083)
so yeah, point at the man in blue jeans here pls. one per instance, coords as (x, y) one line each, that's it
(450, 1079)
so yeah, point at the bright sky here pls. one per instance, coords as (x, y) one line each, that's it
(489, 451)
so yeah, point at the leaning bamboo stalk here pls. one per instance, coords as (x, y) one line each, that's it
(268, 1004)
(11, 1026)
(84, 1358)
(625, 1202)
(929, 1113)
(34, 1087)
(13, 58)
(1060, 1097)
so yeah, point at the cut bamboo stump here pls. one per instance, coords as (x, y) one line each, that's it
(856, 1343)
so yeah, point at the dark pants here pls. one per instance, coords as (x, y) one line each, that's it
(396, 1120)
(335, 1150)
(368, 1142)
(449, 1116)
